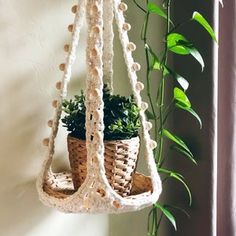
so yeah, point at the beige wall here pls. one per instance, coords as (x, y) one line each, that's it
(32, 34)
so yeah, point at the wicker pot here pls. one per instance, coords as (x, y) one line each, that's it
(120, 162)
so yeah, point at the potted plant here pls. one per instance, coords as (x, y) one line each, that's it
(121, 141)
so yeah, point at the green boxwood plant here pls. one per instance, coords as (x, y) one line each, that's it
(121, 116)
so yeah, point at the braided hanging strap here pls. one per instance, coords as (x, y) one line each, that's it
(108, 36)
(94, 87)
(132, 67)
(62, 86)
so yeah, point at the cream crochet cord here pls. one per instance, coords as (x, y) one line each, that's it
(99, 65)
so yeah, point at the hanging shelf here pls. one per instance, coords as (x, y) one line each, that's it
(95, 195)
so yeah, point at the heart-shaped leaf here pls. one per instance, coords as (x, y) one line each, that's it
(181, 97)
(177, 140)
(182, 81)
(153, 8)
(155, 63)
(178, 44)
(204, 23)
(168, 214)
(191, 111)
(196, 54)
(181, 150)
(174, 45)
(179, 178)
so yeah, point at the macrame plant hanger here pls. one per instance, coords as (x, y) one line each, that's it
(95, 195)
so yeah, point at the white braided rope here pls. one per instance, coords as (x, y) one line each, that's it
(108, 36)
(78, 22)
(131, 68)
(87, 199)
(94, 86)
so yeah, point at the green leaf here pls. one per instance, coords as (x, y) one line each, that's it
(177, 208)
(181, 150)
(165, 171)
(203, 22)
(180, 178)
(157, 66)
(173, 175)
(191, 111)
(153, 8)
(173, 44)
(182, 81)
(155, 62)
(177, 140)
(196, 54)
(178, 44)
(168, 215)
(181, 97)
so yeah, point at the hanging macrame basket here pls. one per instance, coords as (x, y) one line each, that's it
(96, 193)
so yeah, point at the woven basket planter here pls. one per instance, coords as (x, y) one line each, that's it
(120, 162)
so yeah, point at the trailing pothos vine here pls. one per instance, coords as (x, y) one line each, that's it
(160, 108)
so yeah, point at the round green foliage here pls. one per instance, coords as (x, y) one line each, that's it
(121, 116)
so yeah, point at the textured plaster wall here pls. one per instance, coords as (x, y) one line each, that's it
(32, 35)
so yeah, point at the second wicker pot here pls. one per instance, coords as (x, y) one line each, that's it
(120, 162)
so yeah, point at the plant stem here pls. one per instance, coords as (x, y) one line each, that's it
(159, 222)
(144, 38)
(162, 88)
(138, 5)
(153, 221)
